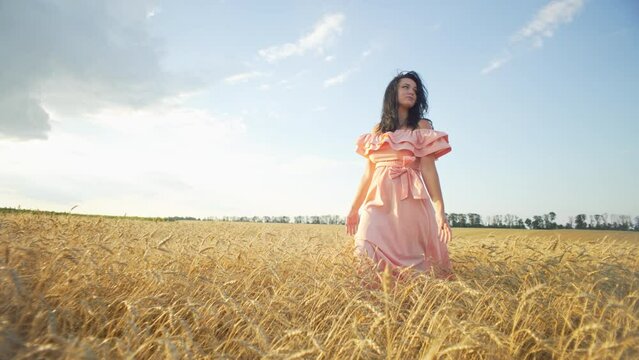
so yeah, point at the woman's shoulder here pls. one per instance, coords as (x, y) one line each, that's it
(425, 123)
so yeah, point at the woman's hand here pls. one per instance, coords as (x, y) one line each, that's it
(352, 220)
(443, 227)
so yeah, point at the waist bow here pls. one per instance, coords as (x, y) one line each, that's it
(408, 174)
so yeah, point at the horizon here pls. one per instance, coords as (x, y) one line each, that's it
(213, 109)
(485, 220)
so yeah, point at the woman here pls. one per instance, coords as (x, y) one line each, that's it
(399, 227)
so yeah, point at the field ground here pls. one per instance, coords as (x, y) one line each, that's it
(79, 287)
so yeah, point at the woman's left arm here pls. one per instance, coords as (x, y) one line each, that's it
(431, 178)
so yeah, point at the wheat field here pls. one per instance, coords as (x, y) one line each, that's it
(96, 287)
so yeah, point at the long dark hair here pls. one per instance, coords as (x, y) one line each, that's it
(389, 120)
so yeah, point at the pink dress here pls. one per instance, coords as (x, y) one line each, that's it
(397, 225)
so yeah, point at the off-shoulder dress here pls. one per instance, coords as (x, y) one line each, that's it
(397, 225)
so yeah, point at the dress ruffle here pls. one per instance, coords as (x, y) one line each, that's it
(421, 142)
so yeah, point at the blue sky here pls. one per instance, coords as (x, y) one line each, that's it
(210, 108)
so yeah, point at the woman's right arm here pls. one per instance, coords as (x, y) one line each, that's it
(353, 216)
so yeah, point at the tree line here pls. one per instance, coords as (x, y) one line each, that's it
(472, 220)
(312, 219)
(547, 221)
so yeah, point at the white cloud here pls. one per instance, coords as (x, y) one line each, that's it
(329, 58)
(168, 123)
(287, 83)
(547, 20)
(543, 24)
(324, 32)
(23, 117)
(243, 77)
(496, 64)
(340, 78)
(336, 80)
(153, 12)
(165, 160)
(77, 58)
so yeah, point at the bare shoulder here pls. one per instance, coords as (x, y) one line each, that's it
(374, 130)
(425, 124)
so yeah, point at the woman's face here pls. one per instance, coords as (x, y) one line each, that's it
(406, 93)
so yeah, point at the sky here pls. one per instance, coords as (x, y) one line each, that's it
(213, 108)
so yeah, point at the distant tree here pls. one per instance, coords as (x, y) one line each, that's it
(580, 221)
(337, 220)
(488, 221)
(550, 222)
(528, 223)
(597, 221)
(538, 222)
(498, 221)
(474, 220)
(510, 220)
(453, 219)
(463, 220)
(625, 222)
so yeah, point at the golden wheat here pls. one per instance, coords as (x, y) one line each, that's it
(78, 287)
